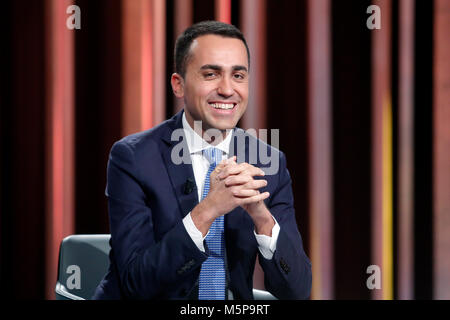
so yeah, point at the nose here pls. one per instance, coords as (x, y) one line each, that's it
(225, 88)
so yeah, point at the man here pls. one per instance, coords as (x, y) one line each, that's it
(192, 229)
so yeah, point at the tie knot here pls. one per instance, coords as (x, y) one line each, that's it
(213, 155)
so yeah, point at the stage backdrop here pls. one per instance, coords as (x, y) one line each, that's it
(358, 89)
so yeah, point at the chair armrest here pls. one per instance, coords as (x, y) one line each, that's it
(263, 295)
(63, 294)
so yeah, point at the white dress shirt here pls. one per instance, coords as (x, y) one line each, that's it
(200, 165)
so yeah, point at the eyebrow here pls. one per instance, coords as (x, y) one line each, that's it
(219, 68)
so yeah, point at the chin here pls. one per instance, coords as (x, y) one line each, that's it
(224, 125)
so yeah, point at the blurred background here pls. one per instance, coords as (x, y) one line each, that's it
(363, 114)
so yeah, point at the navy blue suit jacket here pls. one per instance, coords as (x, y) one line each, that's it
(153, 256)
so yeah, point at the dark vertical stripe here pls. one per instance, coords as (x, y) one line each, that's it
(423, 183)
(203, 10)
(352, 143)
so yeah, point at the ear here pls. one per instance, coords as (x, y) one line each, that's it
(177, 83)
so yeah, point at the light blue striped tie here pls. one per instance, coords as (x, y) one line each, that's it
(212, 273)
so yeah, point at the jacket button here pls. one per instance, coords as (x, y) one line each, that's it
(190, 263)
(284, 266)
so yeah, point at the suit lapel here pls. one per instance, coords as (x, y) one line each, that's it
(179, 174)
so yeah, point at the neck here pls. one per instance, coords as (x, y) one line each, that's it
(211, 135)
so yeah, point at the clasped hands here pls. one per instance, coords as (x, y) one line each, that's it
(233, 185)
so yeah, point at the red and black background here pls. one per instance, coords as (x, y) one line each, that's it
(364, 119)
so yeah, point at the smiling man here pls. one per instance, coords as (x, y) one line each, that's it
(193, 230)
(213, 80)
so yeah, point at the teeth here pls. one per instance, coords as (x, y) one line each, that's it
(225, 106)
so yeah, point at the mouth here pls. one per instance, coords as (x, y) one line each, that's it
(223, 108)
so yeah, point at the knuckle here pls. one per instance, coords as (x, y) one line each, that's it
(243, 165)
(251, 185)
(259, 183)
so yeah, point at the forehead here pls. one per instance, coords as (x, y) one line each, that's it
(217, 50)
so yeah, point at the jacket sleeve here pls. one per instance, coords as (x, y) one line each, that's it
(288, 274)
(147, 268)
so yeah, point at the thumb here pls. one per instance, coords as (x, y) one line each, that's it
(223, 164)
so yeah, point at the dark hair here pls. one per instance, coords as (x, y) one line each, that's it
(184, 41)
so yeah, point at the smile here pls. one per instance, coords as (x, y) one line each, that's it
(223, 106)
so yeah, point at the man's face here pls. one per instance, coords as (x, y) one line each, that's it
(215, 86)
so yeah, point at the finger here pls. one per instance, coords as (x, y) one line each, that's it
(255, 184)
(245, 193)
(223, 163)
(232, 168)
(221, 166)
(253, 199)
(255, 171)
(235, 169)
(237, 180)
(247, 181)
(251, 170)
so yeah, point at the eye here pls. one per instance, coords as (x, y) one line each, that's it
(239, 76)
(209, 75)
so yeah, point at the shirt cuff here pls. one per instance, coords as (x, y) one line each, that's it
(193, 232)
(267, 245)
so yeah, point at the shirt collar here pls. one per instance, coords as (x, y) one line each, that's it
(197, 144)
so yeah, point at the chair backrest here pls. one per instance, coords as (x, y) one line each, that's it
(83, 261)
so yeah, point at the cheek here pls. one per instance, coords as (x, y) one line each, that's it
(243, 91)
(197, 98)
(203, 93)
(193, 93)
